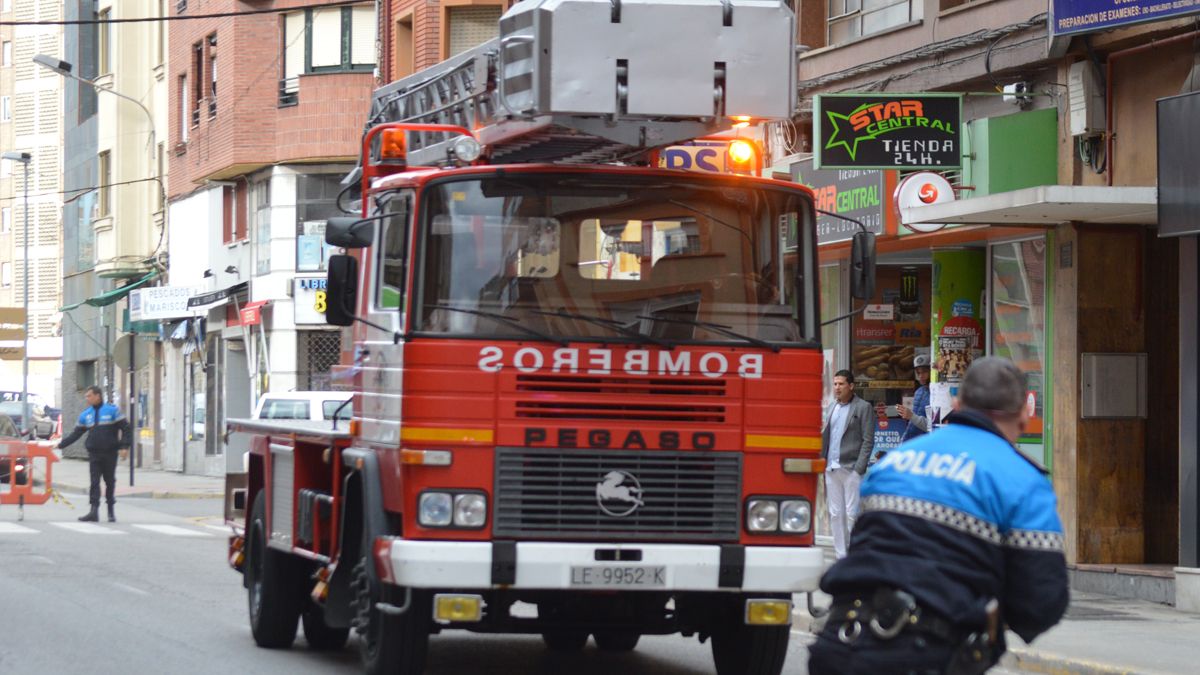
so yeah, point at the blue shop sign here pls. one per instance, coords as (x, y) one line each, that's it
(1086, 16)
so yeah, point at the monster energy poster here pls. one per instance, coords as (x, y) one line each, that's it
(887, 131)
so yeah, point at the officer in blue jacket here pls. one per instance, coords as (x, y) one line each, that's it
(107, 434)
(959, 536)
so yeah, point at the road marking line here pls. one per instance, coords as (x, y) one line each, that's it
(174, 531)
(13, 528)
(223, 529)
(131, 589)
(88, 528)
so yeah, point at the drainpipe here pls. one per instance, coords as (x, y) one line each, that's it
(1108, 88)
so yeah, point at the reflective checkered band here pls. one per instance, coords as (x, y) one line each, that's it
(1034, 540)
(938, 513)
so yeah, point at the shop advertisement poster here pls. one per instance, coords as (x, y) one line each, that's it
(892, 329)
(853, 193)
(958, 288)
(887, 131)
(888, 433)
(941, 403)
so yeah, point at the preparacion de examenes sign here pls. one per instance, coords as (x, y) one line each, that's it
(1085, 16)
(887, 131)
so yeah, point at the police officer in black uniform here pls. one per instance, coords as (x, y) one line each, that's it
(108, 435)
(958, 537)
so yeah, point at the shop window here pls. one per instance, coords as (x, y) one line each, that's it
(316, 202)
(890, 333)
(1018, 324)
(852, 19)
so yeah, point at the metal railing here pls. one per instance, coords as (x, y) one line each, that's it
(289, 91)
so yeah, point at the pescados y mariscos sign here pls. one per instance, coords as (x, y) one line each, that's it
(887, 131)
(1084, 16)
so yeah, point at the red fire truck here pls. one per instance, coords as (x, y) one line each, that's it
(586, 389)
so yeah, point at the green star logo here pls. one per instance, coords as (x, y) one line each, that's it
(843, 133)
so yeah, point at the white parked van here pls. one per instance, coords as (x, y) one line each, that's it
(305, 405)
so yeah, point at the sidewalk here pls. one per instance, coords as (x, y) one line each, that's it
(1100, 635)
(71, 475)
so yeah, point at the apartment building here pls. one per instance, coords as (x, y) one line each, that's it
(31, 122)
(267, 113)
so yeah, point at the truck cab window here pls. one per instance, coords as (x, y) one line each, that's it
(393, 247)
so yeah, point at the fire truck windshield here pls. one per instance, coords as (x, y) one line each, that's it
(676, 260)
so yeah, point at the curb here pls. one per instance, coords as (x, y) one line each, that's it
(1031, 661)
(140, 494)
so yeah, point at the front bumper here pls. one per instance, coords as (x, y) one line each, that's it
(548, 566)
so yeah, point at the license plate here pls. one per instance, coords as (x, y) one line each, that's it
(619, 576)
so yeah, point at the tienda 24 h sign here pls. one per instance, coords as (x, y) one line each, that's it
(887, 131)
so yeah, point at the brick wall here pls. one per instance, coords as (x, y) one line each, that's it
(250, 129)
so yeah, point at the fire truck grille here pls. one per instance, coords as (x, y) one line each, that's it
(624, 398)
(605, 495)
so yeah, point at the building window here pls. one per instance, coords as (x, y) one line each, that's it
(5, 108)
(233, 218)
(104, 41)
(6, 274)
(324, 40)
(403, 46)
(212, 75)
(316, 202)
(260, 212)
(5, 220)
(469, 26)
(197, 82)
(852, 19)
(104, 203)
(7, 6)
(184, 123)
(318, 352)
(6, 53)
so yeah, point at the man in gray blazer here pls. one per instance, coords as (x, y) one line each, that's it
(850, 429)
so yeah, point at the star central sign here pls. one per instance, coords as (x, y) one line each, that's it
(887, 131)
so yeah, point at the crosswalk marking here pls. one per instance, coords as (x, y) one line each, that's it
(88, 528)
(13, 528)
(174, 531)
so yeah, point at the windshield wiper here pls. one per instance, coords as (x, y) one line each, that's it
(607, 323)
(718, 328)
(501, 319)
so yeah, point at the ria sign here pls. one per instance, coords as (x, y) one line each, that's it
(923, 189)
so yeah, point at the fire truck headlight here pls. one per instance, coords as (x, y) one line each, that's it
(762, 515)
(466, 149)
(435, 509)
(470, 510)
(795, 516)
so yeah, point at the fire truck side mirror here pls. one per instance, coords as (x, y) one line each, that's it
(862, 266)
(350, 232)
(341, 290)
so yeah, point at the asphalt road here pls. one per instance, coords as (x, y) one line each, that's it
(154, 594)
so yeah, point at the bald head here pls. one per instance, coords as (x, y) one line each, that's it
(993, 384)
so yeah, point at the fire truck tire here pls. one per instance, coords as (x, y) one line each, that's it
(617, 640)
(750, 650)
(389, 645)
(273, 582)
(565, 640)
(319, 636)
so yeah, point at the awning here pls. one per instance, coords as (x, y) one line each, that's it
(251, 312)
(109, 297)
(1046, 205)
(216, 298)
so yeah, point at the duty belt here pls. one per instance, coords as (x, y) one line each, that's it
(887, 613)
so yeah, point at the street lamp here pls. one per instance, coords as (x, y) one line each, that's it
(64, 68)
(24, 158)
